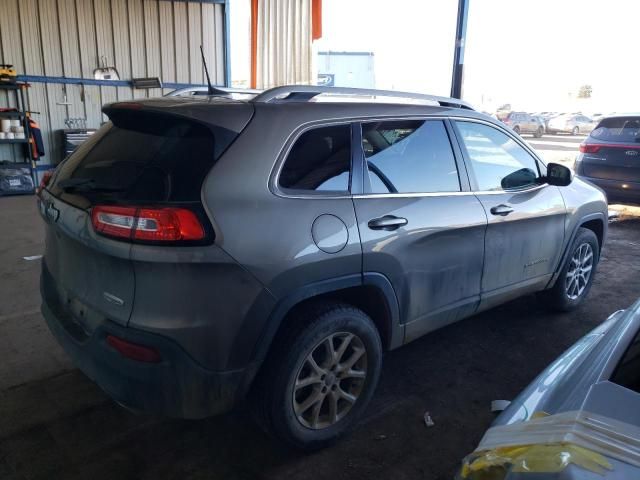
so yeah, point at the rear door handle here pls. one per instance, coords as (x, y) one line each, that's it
(388, 222)
(502, 210)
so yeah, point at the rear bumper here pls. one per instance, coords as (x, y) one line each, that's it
(617, 189)
(177, 386)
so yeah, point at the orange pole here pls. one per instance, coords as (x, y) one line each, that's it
(254, 43)
(316, 19)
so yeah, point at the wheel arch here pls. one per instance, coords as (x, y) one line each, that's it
(597, 223)
(371, 292)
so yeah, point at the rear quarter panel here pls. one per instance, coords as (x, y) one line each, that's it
(268, 233)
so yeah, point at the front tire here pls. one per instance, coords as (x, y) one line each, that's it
(320, 376)
(516, 129)
(576, 277)
(575, 131)
(539, 132)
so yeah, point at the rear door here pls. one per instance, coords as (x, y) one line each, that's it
(618, 154)
(141, 159)
(526, 218)
(530, 123)
(419, 224)
(585, 124)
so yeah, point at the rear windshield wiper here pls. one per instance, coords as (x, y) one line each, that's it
(70, 185)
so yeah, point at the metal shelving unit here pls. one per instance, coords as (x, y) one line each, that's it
(22, 114)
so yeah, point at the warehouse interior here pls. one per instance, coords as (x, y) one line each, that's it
(72, 57)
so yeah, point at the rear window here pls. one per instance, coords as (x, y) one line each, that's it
(320, 161)
(141, 158)
(618, 129)
(627, 374)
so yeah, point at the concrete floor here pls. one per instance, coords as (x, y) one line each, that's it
(54, 423)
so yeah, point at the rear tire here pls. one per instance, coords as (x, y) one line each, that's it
(516, 129)
(575, 131)
(307, 394)
(576, 277)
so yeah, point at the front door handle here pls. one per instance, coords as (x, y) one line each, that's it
(388, 222)
(502, 210)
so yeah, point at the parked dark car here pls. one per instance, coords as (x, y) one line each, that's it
(200, 249)
(592, 389)
(521, 122)
(610, 157)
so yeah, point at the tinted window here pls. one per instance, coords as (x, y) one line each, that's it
(619, 129)
(319, 160)
(147, 159)
(494, 155)
(410, 157)
(627, 373)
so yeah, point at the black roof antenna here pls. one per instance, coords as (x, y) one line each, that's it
(212, 90)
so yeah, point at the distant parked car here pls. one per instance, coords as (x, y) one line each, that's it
(610, 157)
(503, 111)
(589, 397)
(546, 116)
(521, 122)
(573, 124)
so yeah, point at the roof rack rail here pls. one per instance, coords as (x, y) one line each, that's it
(204, 90)
(303, 93)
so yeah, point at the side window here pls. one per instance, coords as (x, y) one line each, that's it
(498, 162)
(627, 373)
(320, 160)
(409, 156)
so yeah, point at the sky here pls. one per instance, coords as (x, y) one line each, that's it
(533, 54)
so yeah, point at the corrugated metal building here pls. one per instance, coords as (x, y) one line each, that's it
(56, 45)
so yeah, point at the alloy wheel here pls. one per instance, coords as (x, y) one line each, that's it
(330, 380)
(579, 273)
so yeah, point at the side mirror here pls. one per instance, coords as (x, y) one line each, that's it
(519, 179)
(558, 175)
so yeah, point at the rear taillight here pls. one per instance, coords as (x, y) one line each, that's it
(585, 148)
(44, 181)
(595, 148)
(133, 351)
(161, 224)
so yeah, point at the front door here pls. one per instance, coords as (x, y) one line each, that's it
(526, 218)
(419, 224)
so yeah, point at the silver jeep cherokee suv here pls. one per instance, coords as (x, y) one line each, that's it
(202, 250)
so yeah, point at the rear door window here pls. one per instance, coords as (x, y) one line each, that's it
(627, 374)
(319, 161)
(409, 156)
(618, 129)
(147, 158)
